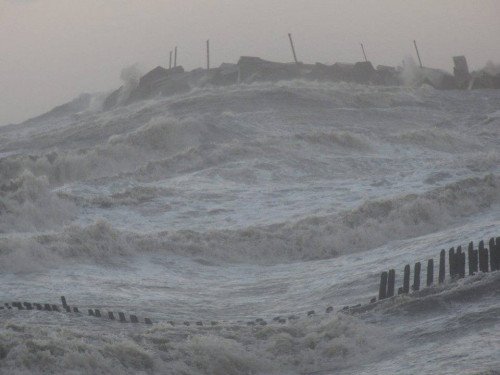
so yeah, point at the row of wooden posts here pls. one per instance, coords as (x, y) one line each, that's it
(69, 309)
(483, 260)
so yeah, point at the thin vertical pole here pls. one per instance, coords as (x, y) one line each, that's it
(364, 54)
(170, 61)
(175, 57)
(418, 54)
(208, 54)
(293, 48)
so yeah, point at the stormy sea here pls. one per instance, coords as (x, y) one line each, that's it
(242, 221)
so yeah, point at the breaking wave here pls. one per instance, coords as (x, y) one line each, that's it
(303, 346)
(372, 224)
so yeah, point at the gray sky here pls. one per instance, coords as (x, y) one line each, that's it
(53, 50)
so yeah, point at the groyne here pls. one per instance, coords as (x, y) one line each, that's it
(477, 260)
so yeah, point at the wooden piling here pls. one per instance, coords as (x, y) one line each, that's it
(406, 280)
(483, 258)
(460, 262)
(442, 266)
(18, 305)
(133, 319)
(497, 247)
(472, 259)
(47, 307)
(148, 321)
(382, 291)
(55, 308)
(494, 255)
(28, 306)
(63, 300)
(91, 312)
(416, 276)
(451, 262)
(122, 317)
(391, 280)
(75, 310)
(430, 272)
(111, 315)
(97, 313)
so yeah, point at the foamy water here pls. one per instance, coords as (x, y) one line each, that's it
(251, 202)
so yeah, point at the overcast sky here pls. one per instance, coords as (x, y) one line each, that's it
(53, 50)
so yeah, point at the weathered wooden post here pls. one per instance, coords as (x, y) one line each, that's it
(451, 262)
(483, 257)
(122, 317)
(97, 313)
(382, 290)
(133, 319)
(91, 312)
(416, 276)
(442, 266)
(391, 280)
(148, 321)
(460, 262)
(406, 280)
(430, 272)
(111, 315)
(28, 305)
(472, 259)
(47, 307)
(497, 247)
(494, 255)
(64, 304)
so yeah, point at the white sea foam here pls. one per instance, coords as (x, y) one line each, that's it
(244, 201)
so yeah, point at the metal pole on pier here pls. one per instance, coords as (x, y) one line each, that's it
(364, 54)
(175, 57)
(208, 54)
(293, 48)
(418, 54)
